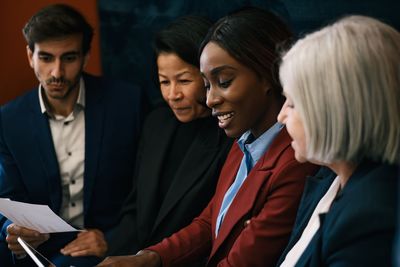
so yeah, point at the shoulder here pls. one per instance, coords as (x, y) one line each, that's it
(281, 161)
(20, 105)
(363, 219)
(160, 115)
(372, 183)
(367, 204)
(159, 122)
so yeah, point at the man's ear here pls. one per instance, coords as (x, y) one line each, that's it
(29, 53)
(86, 59)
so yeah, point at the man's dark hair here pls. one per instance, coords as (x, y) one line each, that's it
(55, 22)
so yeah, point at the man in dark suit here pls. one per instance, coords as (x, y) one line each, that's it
(69, 144)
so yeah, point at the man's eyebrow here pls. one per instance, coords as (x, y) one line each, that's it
(69, 53)
(44, 53)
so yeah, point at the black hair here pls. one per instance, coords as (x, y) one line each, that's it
(183, 37)
(57, 21)
(254, 37)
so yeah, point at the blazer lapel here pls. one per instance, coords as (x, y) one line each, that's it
(192, 167)
(314, 190)
(42, 134)
(247, 194)
(94, 118)
(145, 198)
(312, 255)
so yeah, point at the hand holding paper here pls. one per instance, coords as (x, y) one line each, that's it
(33, 237)
(36, 217)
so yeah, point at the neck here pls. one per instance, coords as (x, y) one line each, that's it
(343, 169)
(270, 116)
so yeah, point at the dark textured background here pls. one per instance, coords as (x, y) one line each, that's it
(127, 26)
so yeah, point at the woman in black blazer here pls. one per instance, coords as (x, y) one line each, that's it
(343, 111)
(181, 150)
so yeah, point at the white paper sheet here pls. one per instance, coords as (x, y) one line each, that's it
(36, 217)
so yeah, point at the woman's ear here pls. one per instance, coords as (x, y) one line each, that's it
(267, 86)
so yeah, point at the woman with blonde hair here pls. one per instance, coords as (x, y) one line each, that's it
(342, 111)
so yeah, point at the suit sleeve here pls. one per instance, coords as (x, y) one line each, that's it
(262, 241)
(10, 178)
(190, 243)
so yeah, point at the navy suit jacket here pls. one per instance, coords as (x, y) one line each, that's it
(358, 230)
(29, 169)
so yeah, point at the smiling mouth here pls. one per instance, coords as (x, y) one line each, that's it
(224, 118)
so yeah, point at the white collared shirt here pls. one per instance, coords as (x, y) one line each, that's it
(313, 225)
(68, 135)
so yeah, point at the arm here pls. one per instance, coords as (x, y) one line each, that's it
(10, 179)
(190, 243)
(266, 234)
(144, 258)
(116, 241)
(11, 186)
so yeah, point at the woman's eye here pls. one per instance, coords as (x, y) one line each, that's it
(225, 84)
(207, 86)
(185, 81)
(164, 82)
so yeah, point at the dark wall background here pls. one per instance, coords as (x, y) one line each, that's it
(127, 26)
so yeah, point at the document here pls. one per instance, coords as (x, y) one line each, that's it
(36, 217)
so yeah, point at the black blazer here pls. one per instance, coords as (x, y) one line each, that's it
(143, 221)
(359, 228)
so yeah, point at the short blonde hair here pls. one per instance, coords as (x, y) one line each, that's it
(345, 83)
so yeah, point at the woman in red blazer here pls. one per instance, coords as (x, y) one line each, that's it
(249, 219)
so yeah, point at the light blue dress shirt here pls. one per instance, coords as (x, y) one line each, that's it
(252, 152)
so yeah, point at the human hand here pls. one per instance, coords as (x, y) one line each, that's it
(87, 243)
(145, 258)
(32, 237)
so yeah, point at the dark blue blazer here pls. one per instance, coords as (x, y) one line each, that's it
(359, 228)
(29, 169)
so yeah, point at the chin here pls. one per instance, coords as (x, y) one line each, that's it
(232, 133)
(300, 158)
(184, 119)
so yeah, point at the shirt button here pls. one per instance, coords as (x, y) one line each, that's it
(73, 204)
(69, 153)
(72, 181)
(66, 123)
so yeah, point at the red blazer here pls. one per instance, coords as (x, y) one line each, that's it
(268, 198)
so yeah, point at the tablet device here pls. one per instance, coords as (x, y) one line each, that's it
(39, 259)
